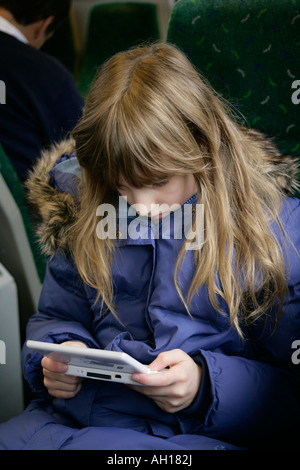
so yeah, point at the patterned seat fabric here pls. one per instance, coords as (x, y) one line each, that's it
(249, 50)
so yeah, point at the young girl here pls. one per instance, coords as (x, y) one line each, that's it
(220, 315)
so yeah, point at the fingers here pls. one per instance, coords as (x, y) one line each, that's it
(175, 388)
(57, 382)
(164, 365)
(61, 386)
(54, 366)
(77, 344)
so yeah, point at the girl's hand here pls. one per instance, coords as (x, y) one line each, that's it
(173, 389)
(59, 384)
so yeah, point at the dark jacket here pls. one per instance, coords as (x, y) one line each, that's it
(42, 102)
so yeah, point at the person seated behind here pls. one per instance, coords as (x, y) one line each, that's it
(42, 103)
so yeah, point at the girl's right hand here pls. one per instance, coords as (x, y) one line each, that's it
(56, 381)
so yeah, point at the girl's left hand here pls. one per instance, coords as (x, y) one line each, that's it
(175, 388)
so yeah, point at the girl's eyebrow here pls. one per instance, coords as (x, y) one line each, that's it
(161, 183)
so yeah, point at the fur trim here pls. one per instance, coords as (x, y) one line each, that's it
(282, 168)
(53, 212)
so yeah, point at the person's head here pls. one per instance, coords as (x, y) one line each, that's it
(37, 19)
(149, 117)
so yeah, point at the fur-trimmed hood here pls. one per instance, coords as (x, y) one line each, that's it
(53, 211)
(55, 208)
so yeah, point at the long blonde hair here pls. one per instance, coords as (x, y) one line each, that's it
(150, 115)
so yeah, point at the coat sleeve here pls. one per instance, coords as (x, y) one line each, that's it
(246, 401)
(251, 401)
(255, 398)
(64, 314)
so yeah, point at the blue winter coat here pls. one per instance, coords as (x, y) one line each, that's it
(249, 395)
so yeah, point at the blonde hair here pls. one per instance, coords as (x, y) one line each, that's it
(150, 115)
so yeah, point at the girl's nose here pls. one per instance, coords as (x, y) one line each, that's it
(143, 201)
(142, 208)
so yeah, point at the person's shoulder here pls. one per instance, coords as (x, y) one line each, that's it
(286, 227)
(290, 237)
(55, 83)
(290, 210)
(27, 59)
(51, 67)
(289, 217)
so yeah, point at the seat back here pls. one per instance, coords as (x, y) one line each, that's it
(114, 27)
(17, 241)
(249, 52)
(17, 191)
(11, 390)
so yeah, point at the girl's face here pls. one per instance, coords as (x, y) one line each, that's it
(175, 190)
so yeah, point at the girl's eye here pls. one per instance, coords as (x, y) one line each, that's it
(123, 187)
(160, 184)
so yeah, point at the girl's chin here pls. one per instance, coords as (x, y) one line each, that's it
(158, 216)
